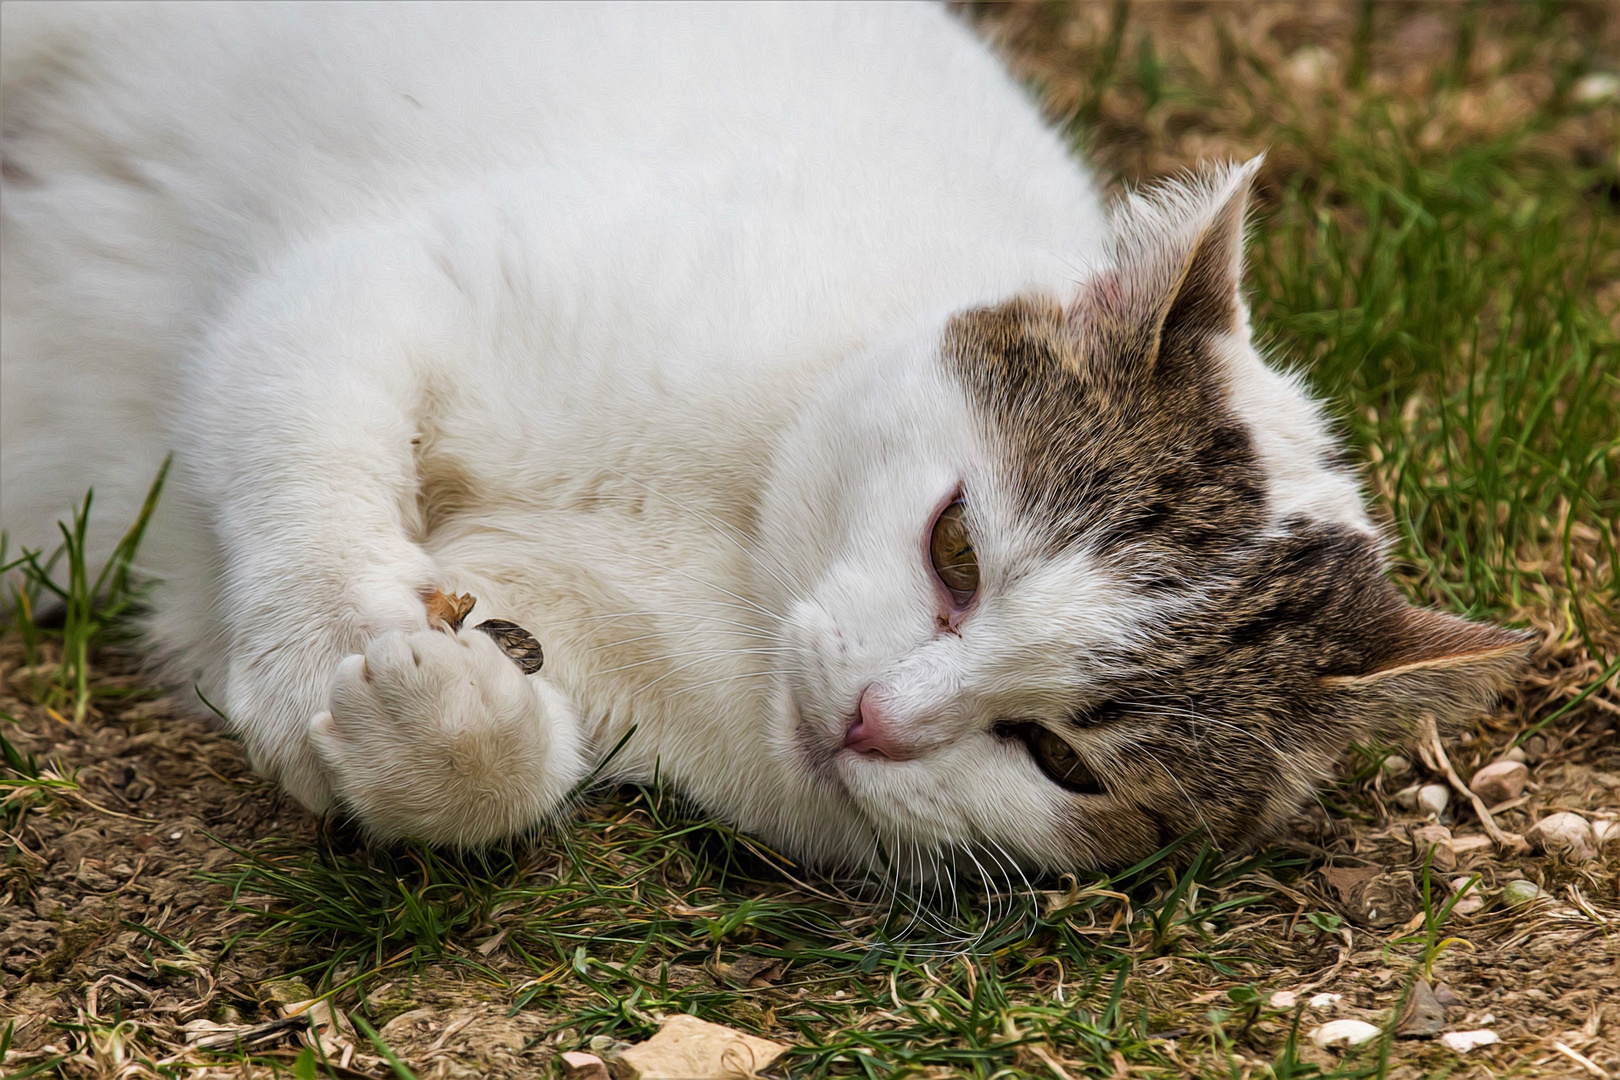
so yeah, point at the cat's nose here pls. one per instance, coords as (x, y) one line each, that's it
(871, 731)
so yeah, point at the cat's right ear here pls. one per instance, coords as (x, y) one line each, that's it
(1429, 661)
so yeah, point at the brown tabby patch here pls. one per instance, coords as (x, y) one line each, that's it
(1136, 460)
(1284, 641)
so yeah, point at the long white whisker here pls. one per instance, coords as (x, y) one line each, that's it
(663, 634)
(726, 530)
(749, 604)
(651, 614)
(712, 654)
(728, 678)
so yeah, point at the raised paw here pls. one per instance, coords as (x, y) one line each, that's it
(442, 736)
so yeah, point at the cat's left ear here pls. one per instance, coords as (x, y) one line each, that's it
(1178, 265)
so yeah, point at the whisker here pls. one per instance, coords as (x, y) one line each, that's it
(652, 614)
(743, 600)
(712, 654)
(727, 531)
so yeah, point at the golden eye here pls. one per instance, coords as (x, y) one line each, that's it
(950, 549)
(1060, 763)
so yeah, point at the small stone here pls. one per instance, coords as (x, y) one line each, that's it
(1470, 901)
(1435, 838)
(1565, 835)
(1534, 749)
(1499, 782)
(1344, 1033)
(1407, 797)
(1515, 893)
(1605, 832)
(1325, 1001)
(1607, 780)
(1395, 765)
(578, 1065)
(1432, 799)
(1284, 999)
(1596, 87)
(1513, 754)
(691, 1049)
(1447, 997)
(1464, 1041)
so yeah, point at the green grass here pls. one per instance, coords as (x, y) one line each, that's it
(1443, 303)
(90, 612)
(639, 887)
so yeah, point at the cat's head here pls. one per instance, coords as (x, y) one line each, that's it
(1081, 574)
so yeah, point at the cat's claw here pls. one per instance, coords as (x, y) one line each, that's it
(441, 737)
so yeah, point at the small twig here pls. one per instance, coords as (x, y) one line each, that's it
(229, 1038)
(1582, 1060)
(1502, 838)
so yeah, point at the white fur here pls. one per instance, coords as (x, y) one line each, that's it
(664, 285)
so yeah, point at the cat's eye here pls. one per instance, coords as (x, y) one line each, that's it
(950, 549)
(1055, 757)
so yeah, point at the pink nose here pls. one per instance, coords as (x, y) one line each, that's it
(871, 732)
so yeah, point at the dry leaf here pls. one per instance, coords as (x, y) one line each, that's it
(445, 611)
(1423, 1015)
(515, 642)
(687, 1048)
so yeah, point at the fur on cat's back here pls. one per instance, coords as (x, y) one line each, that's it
(775, 366)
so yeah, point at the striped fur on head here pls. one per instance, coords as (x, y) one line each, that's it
(1279, 638)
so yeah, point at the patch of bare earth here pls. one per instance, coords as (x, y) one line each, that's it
(115, 951)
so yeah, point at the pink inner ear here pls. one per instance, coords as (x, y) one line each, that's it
(1424, 636)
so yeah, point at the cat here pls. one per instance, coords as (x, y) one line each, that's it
(777, 368)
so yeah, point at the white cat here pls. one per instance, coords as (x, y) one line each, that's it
(775, 366)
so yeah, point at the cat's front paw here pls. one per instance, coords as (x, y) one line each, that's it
(441, 737)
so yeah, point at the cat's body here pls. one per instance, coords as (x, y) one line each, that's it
(668, 333)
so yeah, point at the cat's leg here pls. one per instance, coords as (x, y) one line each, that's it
(305, 414)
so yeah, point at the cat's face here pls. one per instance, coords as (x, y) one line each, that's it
(1072, 577)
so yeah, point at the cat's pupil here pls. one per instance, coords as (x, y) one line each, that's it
(1055, 757)
(1058, 760)
(951, 551)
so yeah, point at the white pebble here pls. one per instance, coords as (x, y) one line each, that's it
(1499, 782)
(1395, 765)
(1515, 754)
(1596, 87)
(1284, 999)
(1344, 1033)
(1564, 834)
(1464, 1041)
(1407, 797)
(1325, 1001)
(1471, 901)
(1433, 799)
(1604, 832)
